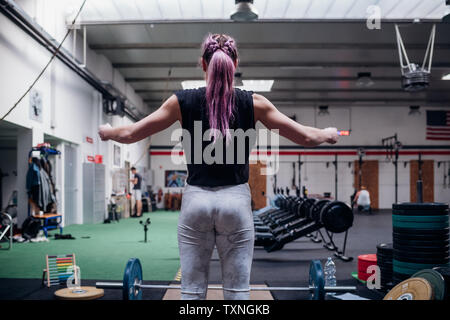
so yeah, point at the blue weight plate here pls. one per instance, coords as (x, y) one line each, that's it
(317, 280)
(132, 275)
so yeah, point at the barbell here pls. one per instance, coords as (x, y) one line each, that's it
(132, 283)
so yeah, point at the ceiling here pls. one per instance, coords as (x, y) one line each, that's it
(313, 62)
(100, 10)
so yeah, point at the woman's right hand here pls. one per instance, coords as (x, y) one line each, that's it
(103, 131)
(331, 135)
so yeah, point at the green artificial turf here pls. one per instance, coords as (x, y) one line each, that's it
(104, 254)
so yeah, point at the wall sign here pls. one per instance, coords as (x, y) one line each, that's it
(35, 105)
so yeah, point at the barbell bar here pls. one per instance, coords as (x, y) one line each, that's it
(132, 284)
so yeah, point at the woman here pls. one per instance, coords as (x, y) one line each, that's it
(216, 208)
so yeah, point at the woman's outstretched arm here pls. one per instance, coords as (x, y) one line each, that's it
(269, 115)
(157, 121)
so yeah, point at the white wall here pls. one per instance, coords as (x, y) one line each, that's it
(369, 125)
(71, 108)
(8, 166)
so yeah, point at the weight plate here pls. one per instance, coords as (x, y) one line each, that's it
(422, 225)
(420, 206)
(427, 237)
(433, 261)
(424, 255)
(444, 271)
(81, 293)
(436, 281)
(132, 276)
(418, 231)
(411, 289)
(416, 266)
(384, 247)
(427, 219)
(336, 216)
(398, 276)
(429, 246)
(421, 212)
(317, 280)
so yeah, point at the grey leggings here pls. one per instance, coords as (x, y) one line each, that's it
(220, 216)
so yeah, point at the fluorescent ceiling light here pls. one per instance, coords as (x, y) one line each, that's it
(446, 77)
(193, 84)
(249, 85)
(257, 85)
(301, 67)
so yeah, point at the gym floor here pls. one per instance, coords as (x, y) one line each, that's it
(102, 251)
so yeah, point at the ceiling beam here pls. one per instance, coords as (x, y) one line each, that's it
(262, 46)
(276, 78)
(260, 21)
(347, 101)
(272, 64)
(364, 90)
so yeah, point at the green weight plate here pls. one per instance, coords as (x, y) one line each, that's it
(317, 280)
(420, 206)
(416, 266)
(131, 276)
(422, 225)
(436, 280)
(404, 271)
(419, 218)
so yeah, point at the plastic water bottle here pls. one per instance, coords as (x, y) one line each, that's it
(330, 274)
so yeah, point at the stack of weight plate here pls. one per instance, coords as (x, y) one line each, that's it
(420, 238)
(385, 253)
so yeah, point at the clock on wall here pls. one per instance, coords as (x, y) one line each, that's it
(35, 105)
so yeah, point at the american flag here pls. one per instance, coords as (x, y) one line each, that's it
(438, 125)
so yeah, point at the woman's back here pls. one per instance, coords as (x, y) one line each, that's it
(221, 162)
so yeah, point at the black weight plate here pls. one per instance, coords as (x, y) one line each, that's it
(384, 257)
(421, 255)
(420, 212)
(385, 265)
(384, 247)
(420, 206)
(422, 260)
(396, 237)
(336, 216)
(412, 231)
(426, 246)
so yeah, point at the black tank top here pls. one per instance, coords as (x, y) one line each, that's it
(229, 170)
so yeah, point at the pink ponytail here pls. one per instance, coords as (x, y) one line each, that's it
(220, 54)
